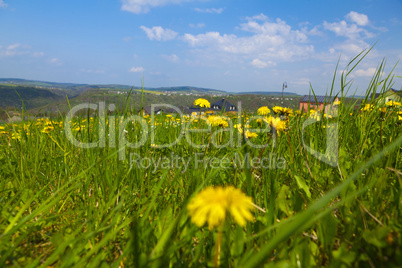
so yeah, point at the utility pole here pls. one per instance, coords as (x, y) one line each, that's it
(284, 85)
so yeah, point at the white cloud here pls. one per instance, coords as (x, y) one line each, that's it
(302, 81)
(351, 31)
(208, 39)
(198, 25)
(347, 50)
(13, 46)
(359, 19)
(315, 31)
(38, 54)
(172, 58)
(136, 69)
(127, 38)
(91, 71)
(269, 42)
(365, 72)
(159, 34)
(343, 29)
(55, 61)
(261, 64)
(274, 29)
(209, 10)
(14, 50)
(18, 49)
(352, 47)
(354, 34)
(260, 16)
(143, 6)
(2, 4)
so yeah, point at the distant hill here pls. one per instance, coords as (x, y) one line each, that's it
(41, 84)
(276, 93)
(82, 87)
(36, 94)
(51, 97)
(12, 96)
(75, 88)
(190, 89)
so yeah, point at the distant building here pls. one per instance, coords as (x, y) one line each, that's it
(148, 111)
(389, 95)
(216, 107)
(223, 105)
(316, 103)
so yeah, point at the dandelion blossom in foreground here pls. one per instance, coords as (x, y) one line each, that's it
(264, 110)
(283, 110)
(393, 104)
(216, 120)
(203, 103)
(250, 134)
(277, 123)
(212, 204)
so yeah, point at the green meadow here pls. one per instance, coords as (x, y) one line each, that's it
(113, 189)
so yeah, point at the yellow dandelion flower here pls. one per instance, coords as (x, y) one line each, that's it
(202, 103)
(277, 123)
(368, 107)
(218, 121)
(315, 115)
(264, 110)
(223, 123)
(16, 136)
(239, 205)
(47, 129)
(212, 204)
(337, 102)
(239, 127)
(393, 104)
(383, 109)
(282, 110)
(250, 134)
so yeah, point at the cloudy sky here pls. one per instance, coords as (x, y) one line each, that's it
(221, 44)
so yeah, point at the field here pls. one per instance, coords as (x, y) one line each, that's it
(272, 188)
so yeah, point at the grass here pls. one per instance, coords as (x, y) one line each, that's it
(65, 206)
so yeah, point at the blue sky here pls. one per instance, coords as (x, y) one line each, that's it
(221, 44)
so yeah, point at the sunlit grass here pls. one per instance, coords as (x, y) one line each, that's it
(109, 205)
